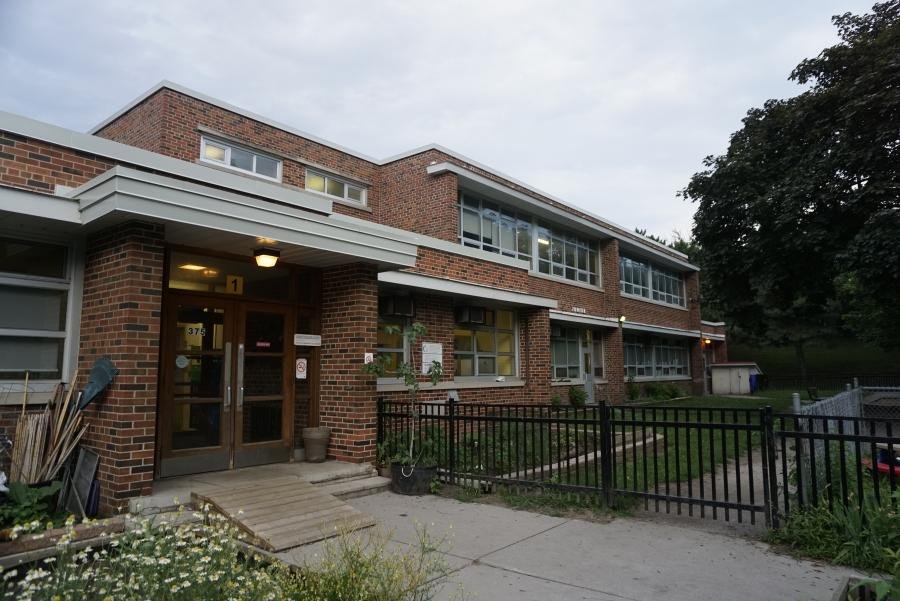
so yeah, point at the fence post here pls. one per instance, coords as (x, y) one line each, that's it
(379, 403)
(605, 453)
(795, 401)
(770, 482)
(451, 439)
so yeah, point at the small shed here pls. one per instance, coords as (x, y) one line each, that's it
(739, 377)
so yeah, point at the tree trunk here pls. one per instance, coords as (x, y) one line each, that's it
(801, 363)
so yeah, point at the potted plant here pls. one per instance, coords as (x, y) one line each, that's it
(415, 466)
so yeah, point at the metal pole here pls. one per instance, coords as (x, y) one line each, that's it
(451, 443)
(795, 399)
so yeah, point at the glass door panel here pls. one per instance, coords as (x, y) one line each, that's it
(263, 381)
(195, 387)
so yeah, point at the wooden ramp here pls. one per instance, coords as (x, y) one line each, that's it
(281, 513)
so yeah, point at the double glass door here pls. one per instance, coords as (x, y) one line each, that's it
(225, 392)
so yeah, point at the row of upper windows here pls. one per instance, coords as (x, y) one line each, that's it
(261, 165)
(649, 281)
(483, 225)
(549, 250)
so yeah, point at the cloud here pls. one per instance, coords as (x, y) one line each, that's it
(608, 105)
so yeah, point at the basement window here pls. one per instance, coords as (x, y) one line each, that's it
(235, 157)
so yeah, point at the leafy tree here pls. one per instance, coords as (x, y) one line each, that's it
(780, 213)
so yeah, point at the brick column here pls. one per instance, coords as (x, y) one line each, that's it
(120, 319)
(614, 368)
(349, 330)
(697, 372)
(534, 348)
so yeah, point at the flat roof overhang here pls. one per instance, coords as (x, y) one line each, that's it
(460, 289)
(583, 319)
(646, 327)
(207, 217)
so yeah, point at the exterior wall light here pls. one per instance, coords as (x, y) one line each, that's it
(707, 341)
(266, 257)
(621, 319)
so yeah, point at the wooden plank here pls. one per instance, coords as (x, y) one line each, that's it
(284, 512)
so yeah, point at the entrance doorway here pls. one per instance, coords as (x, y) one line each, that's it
(226, 387)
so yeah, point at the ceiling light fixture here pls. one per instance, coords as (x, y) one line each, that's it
(192, 267)
(266, 257)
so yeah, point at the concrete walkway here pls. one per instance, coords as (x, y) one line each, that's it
(501, 554)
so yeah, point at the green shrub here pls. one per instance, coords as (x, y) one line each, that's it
(26, 504)
(631, 389)
(672, 390)
(555, 400)
(577, 396)
(846, 535)
(655, 391)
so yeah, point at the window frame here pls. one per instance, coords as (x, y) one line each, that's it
(402, 323)
(475, 354)
(71, 283)
(659, 355)
(527, 249)
(226, 164)
(347, 183)
(578, 362)
(660, 283)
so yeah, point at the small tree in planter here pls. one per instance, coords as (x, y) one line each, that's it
(412, 469)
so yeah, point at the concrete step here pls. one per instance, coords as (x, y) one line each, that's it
(357, 487)
(339, 471)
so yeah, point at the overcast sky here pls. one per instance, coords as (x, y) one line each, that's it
(609, 105)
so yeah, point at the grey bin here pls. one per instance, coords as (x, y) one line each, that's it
(315, 442)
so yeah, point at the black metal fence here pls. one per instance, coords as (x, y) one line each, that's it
(720, 463)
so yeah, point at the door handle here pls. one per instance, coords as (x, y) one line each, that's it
(226, 402)
(239, 405)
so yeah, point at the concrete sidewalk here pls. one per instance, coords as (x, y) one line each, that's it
(500, 554)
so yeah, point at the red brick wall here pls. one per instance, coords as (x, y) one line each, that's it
(349, 328)
(121, 320)
(40, 167)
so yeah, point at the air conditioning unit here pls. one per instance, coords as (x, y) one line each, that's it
(556, 331)
(398, 305)
(473, 315)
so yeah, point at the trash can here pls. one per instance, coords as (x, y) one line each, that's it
(754, 383)
(315, 442)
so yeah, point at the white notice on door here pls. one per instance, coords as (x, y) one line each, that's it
(431, 351)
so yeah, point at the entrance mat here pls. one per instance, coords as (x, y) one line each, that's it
(285, 512)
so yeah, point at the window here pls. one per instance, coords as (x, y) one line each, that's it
(646, 280)
(332, 186)
(565, 353)
(484, 342)
(34, 296)
(566, 256)
(488, 226)
(659, 358)
(391, 343)
(241, 159)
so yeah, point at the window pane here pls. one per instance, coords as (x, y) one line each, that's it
(241, 159)
(266, 166)
(505, 365)
(462, 340)
(524, 238)
(214, 152)
(544, 244)
(504, 342)
(314, 181)
(262, 421)
(335, 188)
(354, 193)
(508, 235)
(465, 366)
(196, 425)
(504, 320)
(471, 225)
(32, 258)
(484, 341)
(41, 357)
(570, 254)
(32, 308)
(392, 362)
(487, 366)
(390, 339)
